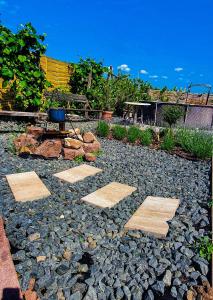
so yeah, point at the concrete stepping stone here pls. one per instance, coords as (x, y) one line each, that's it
(152, 216)
(77, 173)
(27, 186)
(109, 195)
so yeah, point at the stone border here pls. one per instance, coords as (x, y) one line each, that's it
(9, 284)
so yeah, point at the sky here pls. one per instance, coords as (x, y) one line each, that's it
(166, 42)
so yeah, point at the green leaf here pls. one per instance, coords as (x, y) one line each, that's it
(5, 83)
(22, 58)
(37, 74)
(22, 84)
(7, 72)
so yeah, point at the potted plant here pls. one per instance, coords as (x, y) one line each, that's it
(104, 97)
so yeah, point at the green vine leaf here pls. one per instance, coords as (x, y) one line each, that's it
(22, 58)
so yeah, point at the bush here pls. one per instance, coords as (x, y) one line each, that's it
(133, 134)
(197, 143)
(171, 114)
(168, 141)
(119, 132)
(103, 129)
(146, 137)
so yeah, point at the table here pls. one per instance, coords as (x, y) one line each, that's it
(135, 107)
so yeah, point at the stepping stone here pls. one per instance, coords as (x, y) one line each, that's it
(152, 216)
(27, 186)
(77, 173)
(109, 195)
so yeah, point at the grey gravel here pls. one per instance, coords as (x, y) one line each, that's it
(120, 265)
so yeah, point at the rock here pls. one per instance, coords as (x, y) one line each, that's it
(72, 143)
(83, 268)
(92, 147)
(34, 236)
(202, 264)
(88, 137)
(74, 132)
(167, 278)
(71, 154)
(62, 269)
(81, 287)
(91, 294)
(90, 157)
(80, 138)
(174, 292)
(60, 295)
(190, 295)
(127, 292)
(159, 287)
(149, 295)
(41, 258)
(35, 131)
(25, 141)
(92, 242)
(49, 149)
(76, 296)
(67, 254)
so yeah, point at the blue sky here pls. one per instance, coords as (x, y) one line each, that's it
(169, 41)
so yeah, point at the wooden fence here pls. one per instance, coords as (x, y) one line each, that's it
(58, 73)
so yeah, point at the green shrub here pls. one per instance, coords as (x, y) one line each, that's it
(133, 134)
(168, 141)
(79, 159)
(119, 132)
(103, 129)
(205, 247)
(171, 114)
(197, 143)
(146, 137)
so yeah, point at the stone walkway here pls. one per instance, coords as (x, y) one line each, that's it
(150, 217)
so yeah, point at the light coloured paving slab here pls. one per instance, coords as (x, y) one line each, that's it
(27, 186)
(77, 173)
(152, 216)
(109, 195)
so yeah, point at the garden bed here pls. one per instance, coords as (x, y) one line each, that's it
(83, 250)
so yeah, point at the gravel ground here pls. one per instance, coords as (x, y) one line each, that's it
(85, 252)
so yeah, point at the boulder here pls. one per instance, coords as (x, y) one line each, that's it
(25, 140)
(35, 131)
(90, 157)
(72, 143)
(74, 132)
(88, 137)
(91, 147)
(49, 149)
(73, 153)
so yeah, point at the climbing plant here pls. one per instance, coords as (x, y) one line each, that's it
(20, 69)
(86, 74)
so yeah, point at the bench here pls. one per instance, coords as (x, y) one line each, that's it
(68, 99)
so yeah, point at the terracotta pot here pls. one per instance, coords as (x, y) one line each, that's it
(107, 115)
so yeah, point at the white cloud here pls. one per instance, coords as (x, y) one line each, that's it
(143, 72)
(178, 69)
(124, 67)
(165, 77)
(153, 76)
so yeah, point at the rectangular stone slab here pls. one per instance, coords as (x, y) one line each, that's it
(152, 216)
(27, 186)
(77, 173)
(109, 195)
